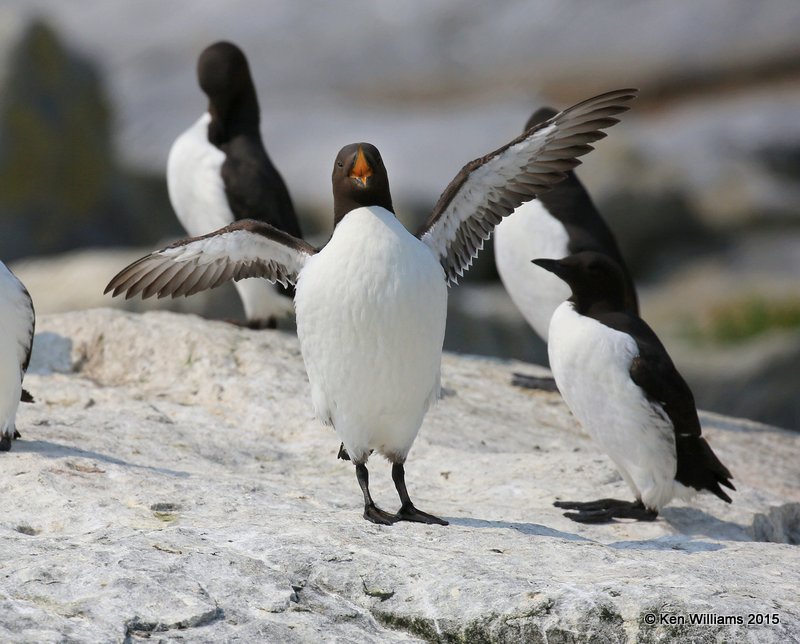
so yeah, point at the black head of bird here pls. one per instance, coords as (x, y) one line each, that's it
(359, 179)
(596, 280)
(224, 75)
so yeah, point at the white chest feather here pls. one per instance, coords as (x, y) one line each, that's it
(371, 310)
(196, 189)
(16, 326)
(531, 232)
(591, 364)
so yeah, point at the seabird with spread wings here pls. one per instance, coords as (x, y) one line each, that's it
(371, 304)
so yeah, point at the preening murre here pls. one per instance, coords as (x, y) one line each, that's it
(620, 383)
(218, 171)
(17, 321)
(371, 303)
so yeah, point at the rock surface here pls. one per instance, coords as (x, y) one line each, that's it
(172, 484)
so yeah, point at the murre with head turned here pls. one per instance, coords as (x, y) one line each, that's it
(218, 171)
(371, 304)
(17, 321)
(620, 383)
(559, 222)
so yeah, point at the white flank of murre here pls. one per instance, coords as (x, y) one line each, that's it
(371, 310)
(591, 365)
(16, 326)
(194, 182)
(197, 194)
(531, 232)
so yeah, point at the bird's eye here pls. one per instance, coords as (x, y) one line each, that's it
(340, 164)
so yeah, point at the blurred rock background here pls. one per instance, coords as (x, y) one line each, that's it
(699, 182)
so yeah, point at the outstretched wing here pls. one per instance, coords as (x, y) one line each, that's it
(490, 188)
(246, 248)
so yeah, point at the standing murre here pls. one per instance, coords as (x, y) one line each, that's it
(557, 223)
(218, 170)
(17, 322)
(619, 381)
(371, 304)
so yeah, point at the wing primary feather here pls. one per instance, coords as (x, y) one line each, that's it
(126, 277)
(191, 279)
(158, 283)
(142, 282)
(175, 282)
(204, 281)
(491, 187)
(246, 248)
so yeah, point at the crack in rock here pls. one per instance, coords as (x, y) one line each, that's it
(136, 627)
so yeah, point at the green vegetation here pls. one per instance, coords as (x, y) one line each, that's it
(739, 321)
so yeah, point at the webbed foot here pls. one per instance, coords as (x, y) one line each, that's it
(606, 510)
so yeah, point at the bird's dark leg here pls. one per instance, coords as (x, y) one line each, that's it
(606, 510)
(371, 511)
(344, 454)
(407, 511)
(5, 443)
(262, 323)
(533, 382)
(256, 325)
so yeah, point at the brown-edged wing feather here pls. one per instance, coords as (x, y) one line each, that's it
(490, 188)
(246, 248)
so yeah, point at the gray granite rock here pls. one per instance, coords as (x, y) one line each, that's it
(172, 485)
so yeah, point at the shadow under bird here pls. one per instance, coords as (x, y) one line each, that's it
(559, 222)
(619, 381)
(17, 321)
(218, 171)
(371, 304)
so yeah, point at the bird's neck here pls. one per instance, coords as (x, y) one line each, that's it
(592, 307)
(239, 118)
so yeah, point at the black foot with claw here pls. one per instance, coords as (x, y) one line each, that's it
(410, 513)
(5, 443)
(407, 511)
(343, 453)
(376, 515)
(606, 510)
(533, 382)
(371, 511)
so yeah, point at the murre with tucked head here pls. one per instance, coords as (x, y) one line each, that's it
(371, 304)
(559, 222)
(17, 323)
(218, 171)
(619, 381)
